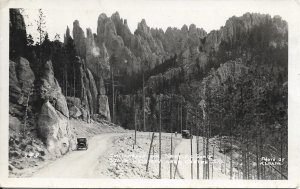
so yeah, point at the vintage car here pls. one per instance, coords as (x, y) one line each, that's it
(82, 143)
(186, 134)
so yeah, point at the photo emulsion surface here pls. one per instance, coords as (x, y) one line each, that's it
(147, 102)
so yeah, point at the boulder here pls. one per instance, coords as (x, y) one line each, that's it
(73, 101)
(85, 114)
(74, 112)
(54, 131)
(14, 124)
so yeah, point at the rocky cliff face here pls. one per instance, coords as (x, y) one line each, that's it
(53, 119)
(21, 80)
(116, 48)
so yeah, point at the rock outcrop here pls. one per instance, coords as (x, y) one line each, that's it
(54, 130)
(52, 123)
(21, 79)
(50, 90)
(115, 48)
(79, 39)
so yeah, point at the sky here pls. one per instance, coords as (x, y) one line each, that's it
(209, 15)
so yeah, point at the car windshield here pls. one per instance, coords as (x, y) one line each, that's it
(81, 140)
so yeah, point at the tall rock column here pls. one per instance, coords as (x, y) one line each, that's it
(53, 125)
(79, 39)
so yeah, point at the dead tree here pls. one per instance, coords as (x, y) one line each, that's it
(113, 95)
(207, 150)
(144, 104)
(197, 141)
(171, 155)
(159, 174)
(147, 165)
(181, 117)
(191, 154)
(26, 109)
(231, 153)
(257, 158)
(134, 122)
(212, 165)
(176, 167)
(204, 153)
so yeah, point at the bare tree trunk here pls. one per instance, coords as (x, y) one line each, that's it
(181, 118)
(197, 143)
(231, 153)
(66, 83)
(147, 165)
(159, 174)
(178, 117)
(171, 155)
(198, 171)
(247, 158)
(261, 155)
(113, 96)
(203, 151)
(212, 165)
(257, 158)
(191, 154)
(176, 166)
(134, 123)
(281, 153)
(225, 163)
(186, 119)
(26, 113)
(74, 79)
(207, 150)
(243, 158)
(63, 83)
(144, 106)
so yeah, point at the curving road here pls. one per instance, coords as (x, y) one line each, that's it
(82, 164)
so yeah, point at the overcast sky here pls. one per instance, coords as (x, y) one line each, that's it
(205, 14)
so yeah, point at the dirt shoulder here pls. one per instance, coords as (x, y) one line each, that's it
(127, 161)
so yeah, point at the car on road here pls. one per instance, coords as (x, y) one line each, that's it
(186, 134)
(82, 143)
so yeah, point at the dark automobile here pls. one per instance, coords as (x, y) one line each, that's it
(82, 143)
(186, 134)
